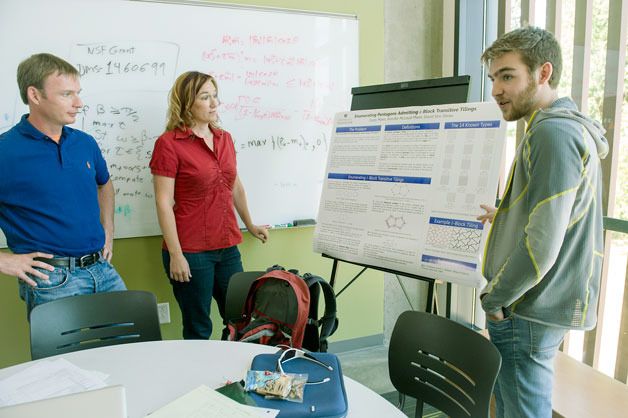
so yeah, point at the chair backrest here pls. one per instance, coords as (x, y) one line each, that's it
(237, 292)
(96, 320)
(443, 363)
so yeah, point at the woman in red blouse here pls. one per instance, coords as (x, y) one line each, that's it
(196, 189)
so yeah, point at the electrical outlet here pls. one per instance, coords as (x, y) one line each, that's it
(164, 312)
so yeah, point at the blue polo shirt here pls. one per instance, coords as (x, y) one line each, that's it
(49, 191)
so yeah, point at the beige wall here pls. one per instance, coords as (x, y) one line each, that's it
(413, 34)
(413, 50)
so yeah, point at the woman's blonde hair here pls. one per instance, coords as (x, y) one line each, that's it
(182, 97)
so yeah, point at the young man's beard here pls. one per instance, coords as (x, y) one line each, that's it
(522, 104)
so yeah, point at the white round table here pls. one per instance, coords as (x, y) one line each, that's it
(156, 373)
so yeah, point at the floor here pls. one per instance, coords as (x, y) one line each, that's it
(369, 366)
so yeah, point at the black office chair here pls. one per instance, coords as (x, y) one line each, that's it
(442, 363)
(89, 321)
(237, 291)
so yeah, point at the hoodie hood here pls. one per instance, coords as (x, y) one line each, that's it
(566, 108)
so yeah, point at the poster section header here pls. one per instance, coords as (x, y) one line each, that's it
(389, 179)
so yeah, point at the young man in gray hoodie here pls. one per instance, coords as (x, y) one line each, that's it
(543, 256)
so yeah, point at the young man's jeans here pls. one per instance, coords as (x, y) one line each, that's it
(525, 381)
(211, 271)
(64, 282)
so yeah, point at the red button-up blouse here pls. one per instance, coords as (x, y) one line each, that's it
(203, 186)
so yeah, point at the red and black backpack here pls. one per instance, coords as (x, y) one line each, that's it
(282, 308)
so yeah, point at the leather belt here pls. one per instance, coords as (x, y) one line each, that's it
(84, 261)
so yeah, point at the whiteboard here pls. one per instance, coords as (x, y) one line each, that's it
(281, 77)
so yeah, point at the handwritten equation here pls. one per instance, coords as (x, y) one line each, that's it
(126, 135)
(281, 143)
(144, 65)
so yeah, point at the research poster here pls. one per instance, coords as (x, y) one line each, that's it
(403, 188)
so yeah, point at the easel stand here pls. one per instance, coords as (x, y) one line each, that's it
(430, 282)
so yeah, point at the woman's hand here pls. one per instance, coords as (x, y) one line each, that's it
(179, 268)
(259, 232)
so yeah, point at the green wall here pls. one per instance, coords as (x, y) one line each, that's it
(138, 260)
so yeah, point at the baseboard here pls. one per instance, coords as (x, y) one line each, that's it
(356, 343)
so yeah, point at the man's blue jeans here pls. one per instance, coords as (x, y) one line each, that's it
(64, 282)
(211, 271)
(525, 381)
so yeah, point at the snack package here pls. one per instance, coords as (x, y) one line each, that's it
(268, 383)
(297, 388)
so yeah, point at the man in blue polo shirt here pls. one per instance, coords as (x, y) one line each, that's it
(56, 197)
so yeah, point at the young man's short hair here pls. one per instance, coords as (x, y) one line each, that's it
(34, 70)
(536, 47)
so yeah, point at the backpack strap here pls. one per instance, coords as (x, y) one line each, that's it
(329, 321)
(275, 267)
(282, 268)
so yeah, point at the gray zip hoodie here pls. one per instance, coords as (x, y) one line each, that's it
(543, 256)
